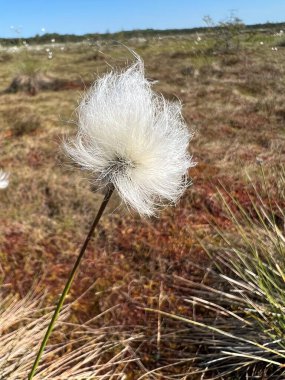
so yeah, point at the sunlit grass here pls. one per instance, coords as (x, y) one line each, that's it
(78, 351)
(244, 293)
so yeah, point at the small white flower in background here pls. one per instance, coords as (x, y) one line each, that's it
(259, 160)
(47, 49)
(261, 43)
(133, 138)
(62, 48)
(14, 49)
(52, 40)
(4, 179)
(274, 48)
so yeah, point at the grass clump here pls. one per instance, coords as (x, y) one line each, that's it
(83, 352)
(239, 319)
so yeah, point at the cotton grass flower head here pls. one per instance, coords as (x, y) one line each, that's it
(4, 179)
(130, 139)
(133, 138)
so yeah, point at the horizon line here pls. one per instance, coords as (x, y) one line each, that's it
(195, 28)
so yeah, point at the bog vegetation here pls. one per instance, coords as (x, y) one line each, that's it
(195, 293)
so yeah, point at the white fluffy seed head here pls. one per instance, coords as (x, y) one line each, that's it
(4, 180)
(133, 138)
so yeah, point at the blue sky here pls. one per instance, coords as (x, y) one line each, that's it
(91, 16)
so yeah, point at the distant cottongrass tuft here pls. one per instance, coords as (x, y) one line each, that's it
(132, 138)
(4, 179)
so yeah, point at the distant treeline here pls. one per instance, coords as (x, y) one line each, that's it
(146, 33)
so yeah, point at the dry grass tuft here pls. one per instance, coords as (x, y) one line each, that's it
(82, 352)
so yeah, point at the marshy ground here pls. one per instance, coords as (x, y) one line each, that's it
(234, 101)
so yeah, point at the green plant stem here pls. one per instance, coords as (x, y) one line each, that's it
(70, 280)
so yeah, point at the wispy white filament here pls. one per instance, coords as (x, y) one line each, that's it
(4, 180)
(133, 138)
